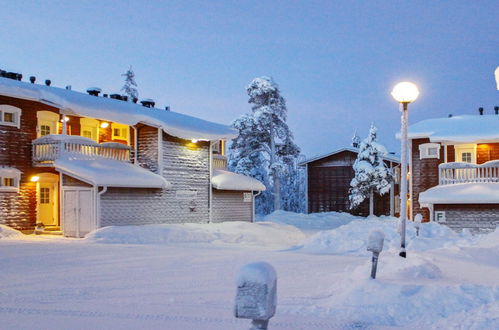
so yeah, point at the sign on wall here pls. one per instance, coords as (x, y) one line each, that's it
(247, 197)
(440, 216)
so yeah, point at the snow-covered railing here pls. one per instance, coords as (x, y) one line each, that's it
(51, 147)
(450, 173)
(219, 162)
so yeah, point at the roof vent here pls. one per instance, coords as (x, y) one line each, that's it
(12, 75)
(480, 111)
(496, 110)
(48, 82)
(148, 103)
(69, 87)
(115, 96)
(450, 115)
(167, 108)
(104, 95)
(32, 79)
(134, 100)
(94, 91)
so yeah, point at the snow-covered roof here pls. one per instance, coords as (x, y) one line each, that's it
(225, 180)
(110, 173)
(80, 104)
(457, 129)
(462, 193)
(355, 150)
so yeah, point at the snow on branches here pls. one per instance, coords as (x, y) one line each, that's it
(130, 85)
(264, 148)
(371, 173)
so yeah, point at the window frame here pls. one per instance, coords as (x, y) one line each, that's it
(459, 149)
(9, 173)
(122, 128)
(424, 150)
(16, 114)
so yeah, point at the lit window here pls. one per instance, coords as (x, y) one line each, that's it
(9, 179)
(44, 195)
(120, 132)
(466, 157)
(48, 123)
(44, 130)
(429, 150)
(10, 116)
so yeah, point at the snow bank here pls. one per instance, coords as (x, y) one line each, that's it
(225, 180)
(351, 238)
(313, 221)
(240, 233)
(7, 232)
(405, 291)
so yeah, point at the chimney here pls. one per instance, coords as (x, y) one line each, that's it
(48, 82)
(104, 95)
(94, 91)
(480, 111)
(167, 108)
(115, 96)
(124, 98)
(19, 76)
(148, 103)
(68, 87)
(496, 110)
(450, 115)
(32, 79)
(134, 100)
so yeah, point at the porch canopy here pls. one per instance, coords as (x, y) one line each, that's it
(225, 180)
(462, 193)
(110, 173)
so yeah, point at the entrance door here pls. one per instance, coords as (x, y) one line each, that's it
(48, 199)
(79, 208)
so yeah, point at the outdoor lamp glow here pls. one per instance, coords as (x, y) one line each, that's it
(405, 92)
(104, 125)
(35, 178)
(194, 141)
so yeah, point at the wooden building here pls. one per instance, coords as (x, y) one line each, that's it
(328, 184)
(75, 162)
(454, 166)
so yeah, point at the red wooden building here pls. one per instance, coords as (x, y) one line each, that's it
(454, 166)
(328, 184)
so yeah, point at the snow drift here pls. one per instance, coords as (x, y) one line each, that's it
(7, 232)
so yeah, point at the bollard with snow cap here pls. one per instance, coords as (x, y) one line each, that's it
(256, 296)
(375, 245)
(417, 222)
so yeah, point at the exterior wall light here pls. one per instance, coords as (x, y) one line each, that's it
(194, 141)
(35, 178)
(104, 125)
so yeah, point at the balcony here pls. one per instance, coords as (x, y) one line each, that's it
(49, 148)
(452, 173)
(219, 162)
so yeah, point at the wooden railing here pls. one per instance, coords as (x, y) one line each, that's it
(451, 173)
(46, 149)
(219, 162)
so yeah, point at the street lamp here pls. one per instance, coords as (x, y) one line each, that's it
(404, 93)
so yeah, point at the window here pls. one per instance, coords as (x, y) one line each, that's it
(10, 116)
(9, 179)
(44, 195)
(465, 153)
(120, 132)
(90, 128)
(429, 150)
(48, 123)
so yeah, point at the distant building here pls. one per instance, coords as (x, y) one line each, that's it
(328, 183)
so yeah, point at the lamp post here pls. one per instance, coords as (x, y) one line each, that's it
(404, 93)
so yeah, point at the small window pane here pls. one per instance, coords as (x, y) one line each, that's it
(44, 130)
(8, 182)
(8, 117)
(87, 134)
(466, 157)
(44, 195)
(432, 151)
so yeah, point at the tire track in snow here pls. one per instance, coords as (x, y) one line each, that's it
(166, 317)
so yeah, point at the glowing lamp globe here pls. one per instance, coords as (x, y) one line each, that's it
(405, 92)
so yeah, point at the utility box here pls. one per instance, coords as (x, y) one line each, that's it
(256, 295)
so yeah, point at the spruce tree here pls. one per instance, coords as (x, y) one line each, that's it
(371, 174)
(130, 85)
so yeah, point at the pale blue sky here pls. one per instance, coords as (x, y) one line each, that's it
(335, 61)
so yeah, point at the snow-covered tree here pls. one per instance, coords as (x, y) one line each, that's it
(371, 173)
(265, 141)
(130, 86)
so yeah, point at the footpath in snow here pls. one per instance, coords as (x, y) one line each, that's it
(184, 276)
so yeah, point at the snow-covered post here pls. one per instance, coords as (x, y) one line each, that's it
(404, 93)
(256, 296)
(417, 222)
(375, 245)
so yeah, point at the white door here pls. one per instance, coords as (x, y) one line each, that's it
(79, 209)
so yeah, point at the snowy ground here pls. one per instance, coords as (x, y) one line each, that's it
(183, 277)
